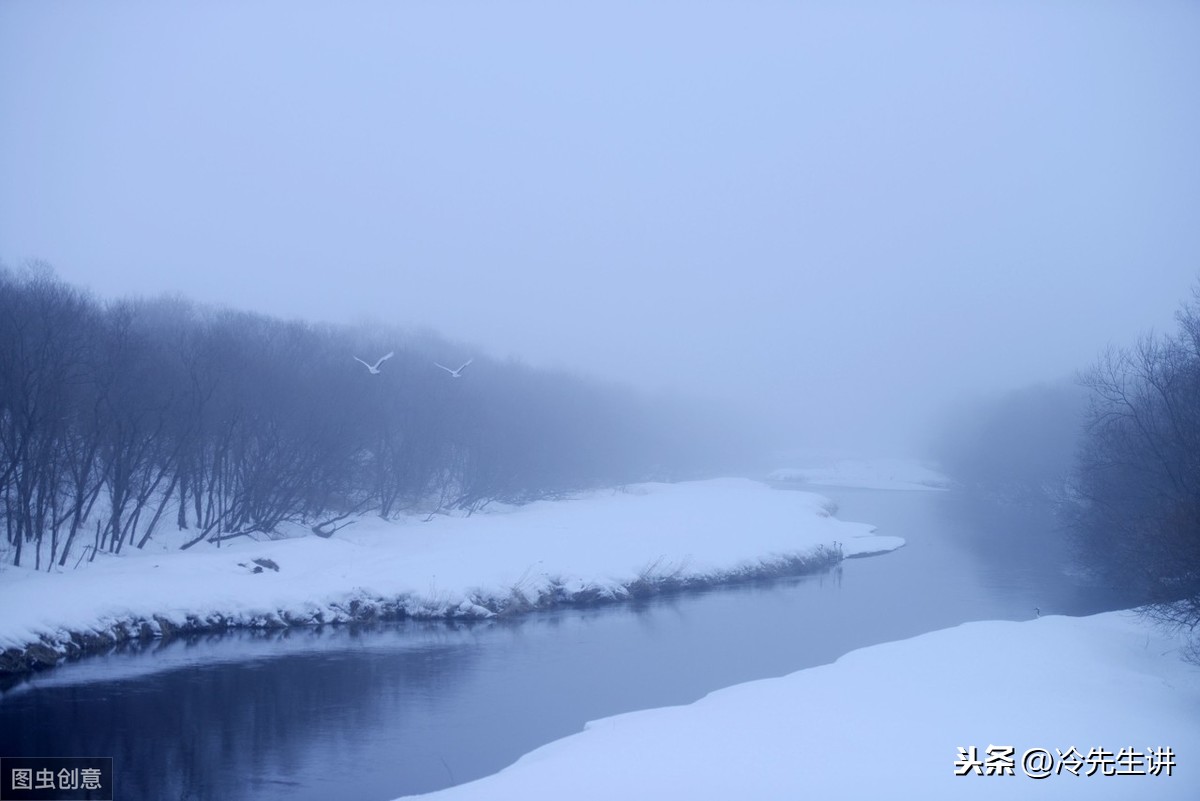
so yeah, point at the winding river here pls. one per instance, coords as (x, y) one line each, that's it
(376, 712)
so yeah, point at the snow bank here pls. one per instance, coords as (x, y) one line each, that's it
(604, 546)
(888, 474)
(888, 721)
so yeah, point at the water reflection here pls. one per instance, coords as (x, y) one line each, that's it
(232, 728)
(376, 712)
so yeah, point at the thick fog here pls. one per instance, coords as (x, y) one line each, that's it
(842, 215)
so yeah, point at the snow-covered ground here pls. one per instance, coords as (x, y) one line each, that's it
(897, 474)
(889, 722)
(604, 545)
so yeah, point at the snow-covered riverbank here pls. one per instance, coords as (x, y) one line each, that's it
(604, 546)
(902, 719)
(888, 474)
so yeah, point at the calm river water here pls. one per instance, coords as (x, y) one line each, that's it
(378, 712)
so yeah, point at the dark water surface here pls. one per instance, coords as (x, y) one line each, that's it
(378, 712)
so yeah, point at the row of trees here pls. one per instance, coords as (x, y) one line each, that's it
(119, 419)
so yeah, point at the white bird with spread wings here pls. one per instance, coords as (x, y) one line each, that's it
(373, 369)
(455, 373)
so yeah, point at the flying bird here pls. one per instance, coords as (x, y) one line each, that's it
(373, 369)
(455, 373)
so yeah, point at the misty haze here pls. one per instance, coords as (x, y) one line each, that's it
(599, 400)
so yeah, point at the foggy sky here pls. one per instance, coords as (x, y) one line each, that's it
(842, 213)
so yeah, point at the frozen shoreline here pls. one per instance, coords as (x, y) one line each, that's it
(604, 547)
(895, 715)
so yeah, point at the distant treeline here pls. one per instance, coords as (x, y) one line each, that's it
(117, 419)
(1019, 446)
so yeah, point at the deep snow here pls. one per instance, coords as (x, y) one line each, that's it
(888, 722)
(596, 547)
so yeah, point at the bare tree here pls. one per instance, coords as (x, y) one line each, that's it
(1139, 472)
(44, 337)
